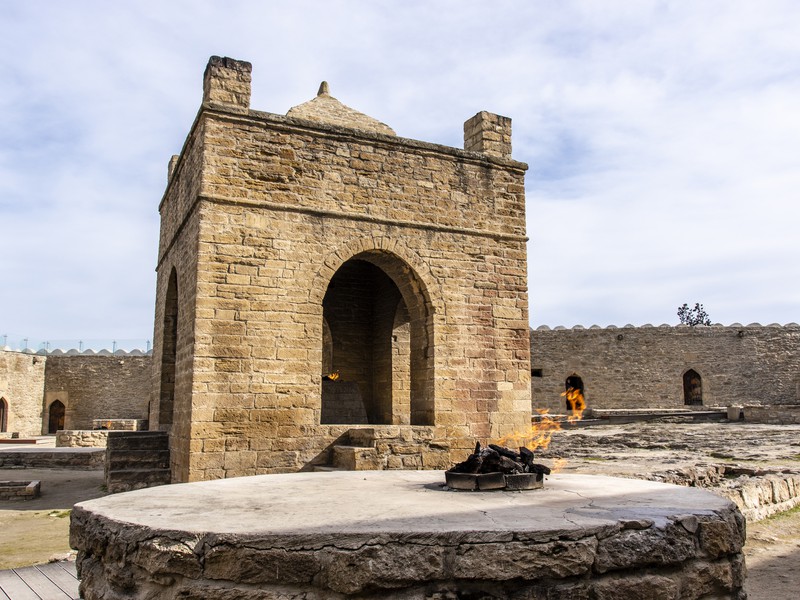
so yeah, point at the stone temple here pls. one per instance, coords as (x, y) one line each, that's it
(321, 279)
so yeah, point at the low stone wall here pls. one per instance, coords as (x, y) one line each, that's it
(54, 458)
(120, 424)
(81, 438)
(787, 414)
(19, 490)
(759, 493)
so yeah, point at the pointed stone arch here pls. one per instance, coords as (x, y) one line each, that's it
(692, 388)
(368, 285)
(56, 416)
(3, 415)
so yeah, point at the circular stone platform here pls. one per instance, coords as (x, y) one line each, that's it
(400, 534)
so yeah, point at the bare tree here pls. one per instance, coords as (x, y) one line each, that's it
(693, 316)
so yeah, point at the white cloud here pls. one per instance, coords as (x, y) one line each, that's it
(661, 136)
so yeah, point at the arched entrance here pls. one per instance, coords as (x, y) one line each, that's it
(56, 417)
(377, 323)
(169, 352)
(574, 394)
(3, 415)
(692, 388)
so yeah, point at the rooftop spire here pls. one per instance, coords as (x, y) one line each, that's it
(324, 90)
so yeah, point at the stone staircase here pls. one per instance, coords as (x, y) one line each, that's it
(136, 459)
(385, 447)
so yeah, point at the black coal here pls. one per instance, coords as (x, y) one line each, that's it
(497, 459)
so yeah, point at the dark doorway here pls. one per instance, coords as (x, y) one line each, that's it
(57, 414)
(692, 388)
(574, 393)
(3, 415)
(169, 354)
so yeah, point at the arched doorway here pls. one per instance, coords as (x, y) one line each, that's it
(56, 417)
(3, 415)
(169, 353)
(574, 393)
(377, 315)
(692, 388)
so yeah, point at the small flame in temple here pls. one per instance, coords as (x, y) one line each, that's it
(331, 376)
(558, 465)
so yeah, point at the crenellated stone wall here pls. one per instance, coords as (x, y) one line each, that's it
(95, 386)
(89, 385)
(644, 367)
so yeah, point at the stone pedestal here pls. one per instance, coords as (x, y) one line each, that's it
(402, 535)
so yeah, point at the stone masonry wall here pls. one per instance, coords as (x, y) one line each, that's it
(92, 387)
(82, 438)
(643, 367)
(21, 384)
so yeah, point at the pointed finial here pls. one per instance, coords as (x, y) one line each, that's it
(323, 89)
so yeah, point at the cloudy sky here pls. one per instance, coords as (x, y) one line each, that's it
(663, 139)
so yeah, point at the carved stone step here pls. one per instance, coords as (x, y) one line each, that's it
(356, 458)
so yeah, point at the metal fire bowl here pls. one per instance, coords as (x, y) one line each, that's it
(493, 481)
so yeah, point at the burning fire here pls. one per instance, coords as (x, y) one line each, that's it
(541, 432)
(539, 435)
(575, 404)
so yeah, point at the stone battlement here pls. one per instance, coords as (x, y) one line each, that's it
(76, 352)
(665, 326)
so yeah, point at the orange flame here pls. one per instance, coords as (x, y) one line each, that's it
(542, 429)
(538, 436)
(575, 404)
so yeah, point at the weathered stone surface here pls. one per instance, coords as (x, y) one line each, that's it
(81, 438)
(327, 109)
(653, 546)
(164, 556)
(253, 565)
(399, 535)
(554, 560)
(53, 458)
(637, 587)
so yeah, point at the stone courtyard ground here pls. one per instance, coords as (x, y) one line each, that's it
(36, 531)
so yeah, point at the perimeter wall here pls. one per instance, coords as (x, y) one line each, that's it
(644, 367)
